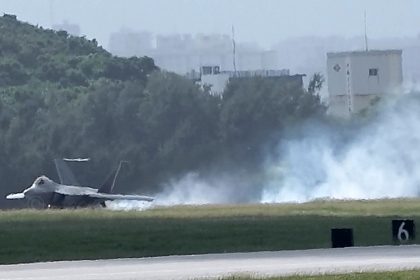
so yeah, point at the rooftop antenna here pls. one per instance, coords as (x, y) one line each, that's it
(366, 37)
(234, 50)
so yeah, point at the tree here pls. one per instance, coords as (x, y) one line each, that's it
(180, 122)
(12, 73)
(315, 84)
(253, 110)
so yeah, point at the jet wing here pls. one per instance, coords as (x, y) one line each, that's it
(107, 196)
(93, 193)
(74, 190)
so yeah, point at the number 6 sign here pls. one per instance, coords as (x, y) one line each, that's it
(403, 230)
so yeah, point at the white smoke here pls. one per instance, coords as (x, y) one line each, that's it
(195, 189)
(191, 189)
(380, 160)
(377, 158)
(128, 205)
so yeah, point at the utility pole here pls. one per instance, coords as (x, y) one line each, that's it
(366, 37)
(234, 50)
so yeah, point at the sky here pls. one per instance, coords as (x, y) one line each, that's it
(263, 21)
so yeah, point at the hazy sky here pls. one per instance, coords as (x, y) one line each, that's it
(263, 21)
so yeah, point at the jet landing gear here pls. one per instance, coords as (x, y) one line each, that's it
(37, 203)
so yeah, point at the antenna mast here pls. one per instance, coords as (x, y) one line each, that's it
(234, 50)
(366, 37)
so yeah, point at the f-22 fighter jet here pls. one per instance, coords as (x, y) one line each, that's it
(45, 193)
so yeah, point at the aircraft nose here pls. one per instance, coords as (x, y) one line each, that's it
(15, 196)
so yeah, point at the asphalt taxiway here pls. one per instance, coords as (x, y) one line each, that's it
(317, 261)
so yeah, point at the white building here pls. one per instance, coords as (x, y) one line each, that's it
(356, 79)
(210, 76)
(217, 81)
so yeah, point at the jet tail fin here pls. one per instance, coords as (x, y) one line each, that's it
(65, 175)
(109, 184)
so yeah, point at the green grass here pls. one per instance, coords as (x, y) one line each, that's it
(29, 235)
(397, 275)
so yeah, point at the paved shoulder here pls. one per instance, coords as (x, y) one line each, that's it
(217, 265)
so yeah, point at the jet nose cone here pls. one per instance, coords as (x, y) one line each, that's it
(15, 196)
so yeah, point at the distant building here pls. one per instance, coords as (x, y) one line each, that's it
(210, 76)
(72, 29)
(131, 43)
(183, 53)
(356, 79)
(216, 80)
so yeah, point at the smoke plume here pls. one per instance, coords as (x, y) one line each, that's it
(373, 156)
(380, 159)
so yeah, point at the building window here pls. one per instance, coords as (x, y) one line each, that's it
(373, 72)
(216, 70)
(206, 70)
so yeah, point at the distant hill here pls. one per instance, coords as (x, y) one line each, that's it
(33, 54)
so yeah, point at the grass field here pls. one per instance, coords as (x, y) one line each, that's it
(399, 275)
(29, 235)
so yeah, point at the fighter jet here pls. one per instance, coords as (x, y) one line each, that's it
(45, 193)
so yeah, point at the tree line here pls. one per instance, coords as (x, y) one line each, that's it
(63, 96)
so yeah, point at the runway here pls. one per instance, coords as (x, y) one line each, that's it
(317, 261)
